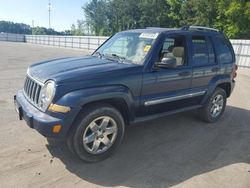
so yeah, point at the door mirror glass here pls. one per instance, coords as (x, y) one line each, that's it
(167, 62)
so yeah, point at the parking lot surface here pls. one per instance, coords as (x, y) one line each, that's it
(175, 151)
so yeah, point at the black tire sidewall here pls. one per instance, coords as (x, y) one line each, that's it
(86, 120)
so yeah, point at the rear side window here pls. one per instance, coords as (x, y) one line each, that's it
(203, 51)
(224, 52)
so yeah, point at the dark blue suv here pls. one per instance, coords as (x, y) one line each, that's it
(134, 76)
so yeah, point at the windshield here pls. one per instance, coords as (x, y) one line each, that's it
(128, 47)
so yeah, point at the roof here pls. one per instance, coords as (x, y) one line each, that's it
(152, 30)
(182, 29)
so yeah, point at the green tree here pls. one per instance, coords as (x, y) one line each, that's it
(174, 16)
(235, 19)
(39, 31)
(78, 29)
(198, 12)
(107, 17)
(10, 27)
(45, 31)
(122, 16)
(96, 15)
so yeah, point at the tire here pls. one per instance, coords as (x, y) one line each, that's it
(89, 137)
(211, 113)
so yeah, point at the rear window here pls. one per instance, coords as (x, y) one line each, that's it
(224, 51)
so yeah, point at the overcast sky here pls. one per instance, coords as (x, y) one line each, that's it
(64, 12)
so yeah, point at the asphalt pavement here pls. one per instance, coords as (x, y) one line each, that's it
(178, 150)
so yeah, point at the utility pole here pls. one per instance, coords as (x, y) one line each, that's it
(49, 10)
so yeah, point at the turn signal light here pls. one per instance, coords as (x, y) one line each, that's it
(58, 108)
(56, 128)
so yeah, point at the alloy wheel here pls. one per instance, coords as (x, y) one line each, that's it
(100, 135)
(217, 105)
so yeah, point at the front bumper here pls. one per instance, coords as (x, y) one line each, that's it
(37, 119)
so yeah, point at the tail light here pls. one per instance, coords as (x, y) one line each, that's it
(234, 73)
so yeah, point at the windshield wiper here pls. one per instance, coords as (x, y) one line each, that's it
(120, 58)
(99, 54)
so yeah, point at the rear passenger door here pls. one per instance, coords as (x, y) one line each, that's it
(204, 64)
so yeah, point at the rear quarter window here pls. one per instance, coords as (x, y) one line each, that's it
(223, 50)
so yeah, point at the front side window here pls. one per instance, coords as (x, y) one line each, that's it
(174, 47)
(131, 47)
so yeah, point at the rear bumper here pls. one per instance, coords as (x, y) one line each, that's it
(37, 119)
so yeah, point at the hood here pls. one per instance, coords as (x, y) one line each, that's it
(68, 69)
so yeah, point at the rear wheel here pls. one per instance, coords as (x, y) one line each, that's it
(97, 134)
(215, 106)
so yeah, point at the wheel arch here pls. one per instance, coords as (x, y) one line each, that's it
(221, 81)
(119, 97)
(226, 86)
(117, 103)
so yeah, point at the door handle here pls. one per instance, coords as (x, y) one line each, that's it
(186, 73)
(215, 69)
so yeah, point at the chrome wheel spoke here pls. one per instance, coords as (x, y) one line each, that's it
(220, 102)
(89, 139)
(104, 123)
(96, 145)
(106, 141)
(212, 109)
(93, 126)
(110, 130)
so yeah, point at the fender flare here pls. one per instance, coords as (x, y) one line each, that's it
(78, 98)
(217, 80)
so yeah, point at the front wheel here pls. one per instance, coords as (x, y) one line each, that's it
(214, 107)
(97, 134)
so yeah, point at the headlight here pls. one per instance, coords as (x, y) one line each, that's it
(47, 94)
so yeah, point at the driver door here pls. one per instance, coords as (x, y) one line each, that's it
(168, 89)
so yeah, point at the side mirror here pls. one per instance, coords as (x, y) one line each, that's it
(167, 62)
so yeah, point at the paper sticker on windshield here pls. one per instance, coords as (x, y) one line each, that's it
(149, 35)
(146, 48)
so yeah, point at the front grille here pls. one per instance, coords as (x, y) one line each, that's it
(32, 90)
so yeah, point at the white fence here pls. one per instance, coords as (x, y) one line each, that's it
(82, 42)
(242, 52)
(12, 37)
(241, 47)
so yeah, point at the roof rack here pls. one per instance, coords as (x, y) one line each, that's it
(160, 28)
(194, 27)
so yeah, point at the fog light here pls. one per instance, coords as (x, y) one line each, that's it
(56, 128)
